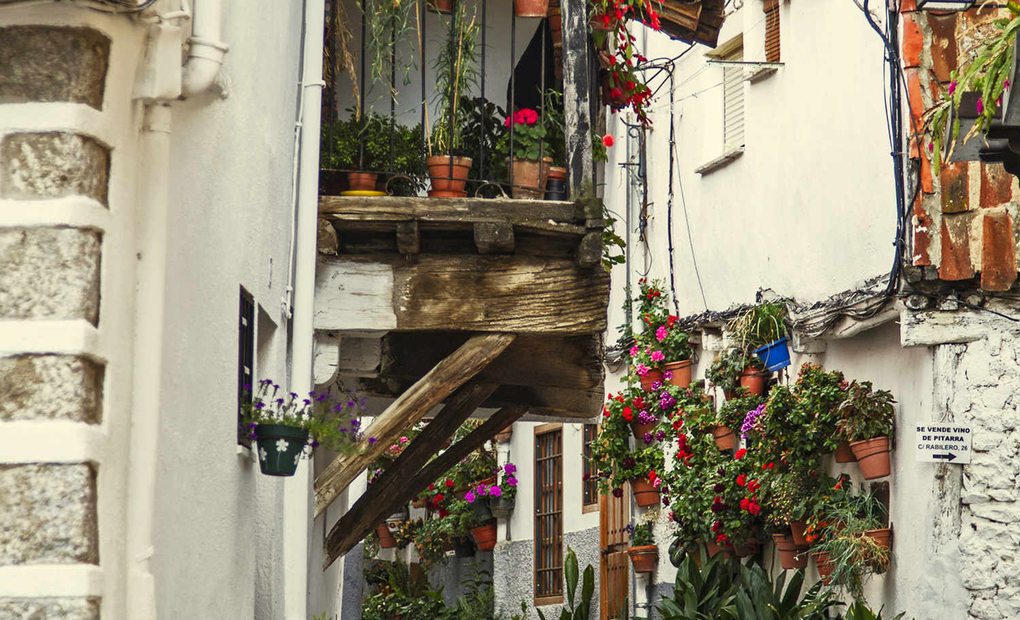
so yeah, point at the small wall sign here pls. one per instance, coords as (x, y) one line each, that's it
(940, 442)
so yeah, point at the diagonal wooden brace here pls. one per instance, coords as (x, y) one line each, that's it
(408, 409)
(381, 500)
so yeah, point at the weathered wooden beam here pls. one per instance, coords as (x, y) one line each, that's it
(410, 407)
(577, 91)
(521, 294)
(440, 210)
(589, 251)
(494, 238)
(379, 502)
(408, 239)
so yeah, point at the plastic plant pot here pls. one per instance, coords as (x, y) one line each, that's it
(775, 355)
(279, 448)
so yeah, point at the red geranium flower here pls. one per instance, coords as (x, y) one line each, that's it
(741, 480)
(608, 141)
(740, 454)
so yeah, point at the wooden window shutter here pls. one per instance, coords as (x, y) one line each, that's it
(771, 8)
(733, 101)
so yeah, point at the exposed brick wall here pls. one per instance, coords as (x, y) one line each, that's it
(964, 217)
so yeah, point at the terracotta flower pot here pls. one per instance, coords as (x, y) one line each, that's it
(681, 370)
(654, 375)
(797, 530)
(362, 181)
(644, 493)
(713, 549)
(644, 558)
(729, 394)
(746, 548)
(725, 438)
(844, 454)
(872, 457)
(386, 540)
(447, 181)
(639, 430)
(485, 536)
(443, 7)
(529, 177)
(754, 381)
(882, 537)
(824, 564)
(531, 8)
(791, 555)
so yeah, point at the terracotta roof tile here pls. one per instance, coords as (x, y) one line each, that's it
(955, 234)
(998, 252)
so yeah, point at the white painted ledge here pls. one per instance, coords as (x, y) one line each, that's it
(72, 211)
(46, 441)
(74, 337)
(51, 581)
(719, 162)
(761, 73)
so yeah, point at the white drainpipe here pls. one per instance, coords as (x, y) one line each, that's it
(298, 491)
(205, 49)
(150, 283)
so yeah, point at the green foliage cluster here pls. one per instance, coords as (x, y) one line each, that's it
(760, 325)
(373, 143)
(865, 413)
(724, 372)
(576, 607)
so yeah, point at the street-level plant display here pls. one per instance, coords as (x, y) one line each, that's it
(661, 346)
(399, 592)
(866, 420)
(761, 330)
(643, 552)
(286, 426)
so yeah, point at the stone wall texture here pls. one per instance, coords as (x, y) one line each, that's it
(49, 273)
(985, 394)
(50, 387)
(52, 63)
(49, 608)
(48, 514)
(53, 165)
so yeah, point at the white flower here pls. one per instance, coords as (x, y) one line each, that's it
(297, 457)
(262, 454)
(281, 445)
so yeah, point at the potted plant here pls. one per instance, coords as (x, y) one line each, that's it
(456, 71)
(866, 419)
(530, 158)
(370, 144)
(503, 495)
(483, 524)
(622, 76)
(762, 330)
(730, 419)
(643, 552)
(662, 351)
(531, 8)
(753, 377)
(386, 540)
(724, 373)
(641, 469)
(287, 426)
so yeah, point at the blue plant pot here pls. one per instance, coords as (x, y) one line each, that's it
(775, 355)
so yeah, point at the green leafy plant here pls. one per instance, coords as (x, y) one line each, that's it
(661, 339)
(483, 133)
(865, 413)
(724, 372)
(732, 412)
(332, 420)
(987, 73)
(479, 599)
(373, 143)
(641, 534)
(759, 325)
(759, 599)
(704, 589)
(456, 73)
(576, 608)
(431, 539)
(843, 522)
(387, 21)
(860, 611)
(529, 136)
(820, 394)
(399, 592)
(611, 447)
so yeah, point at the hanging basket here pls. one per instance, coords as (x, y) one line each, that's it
(644, 493)
(791, 555)
(753, 380)
(775, 355)
(644, 558)
(873, 457)
(279, 448)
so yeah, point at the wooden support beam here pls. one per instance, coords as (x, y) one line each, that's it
(381, 501)
(520, 294)
(494, 238)
(409, 408)
(408, 239)
(577, 90)
(437, 211)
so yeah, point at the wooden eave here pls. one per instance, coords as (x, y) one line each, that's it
(697, 22)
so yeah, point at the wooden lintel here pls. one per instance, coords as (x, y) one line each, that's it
(438, 210)
(409, 408)
(408, 239)
(374, 506)
(494, 238)
(473, 293)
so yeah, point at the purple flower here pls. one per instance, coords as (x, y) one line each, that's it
(660, 435)
(719, 487)
(372, 440)
(643, 417)
(666, 401)
(628, 462)
(648, 438)
(495, 491)
(751, 419)
(469, 497)
(260, 405)
(511, 481)
(510, 469)
(617, 492)
(656, 386)
(980, 106)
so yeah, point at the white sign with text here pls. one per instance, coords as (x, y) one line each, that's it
(941, 442)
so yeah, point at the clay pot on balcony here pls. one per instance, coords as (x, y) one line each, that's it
(362, 181)
(725, 438)
(681, 373)
(644, 493)
(644, 558)
(753, 380)
(531, 8)
(529, 177)
(872, 457)
(448, 175)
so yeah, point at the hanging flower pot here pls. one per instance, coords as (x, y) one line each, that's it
(681, 373)
(463, 547)
(791, 555)
(485, 536)
(872, 457)
(644, 558)
(725, 438)
(530, 177)
(502, 507)
(448, 175)
(654, 375)
(280, 448)
(362, 181)
(775, 355)
(644, 493)
(753, 380)
(882, 537)
(531, 8)
(844, 454)
(797, 529)
(640, 429)
(824, 565)
(386, 540)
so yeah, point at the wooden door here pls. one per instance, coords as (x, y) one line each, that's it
(614, 573)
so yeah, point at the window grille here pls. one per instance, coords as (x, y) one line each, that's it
(245, 359)
(590, 489)
(548, 514)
